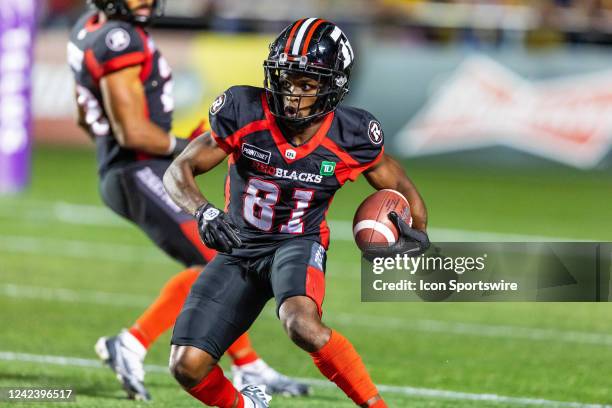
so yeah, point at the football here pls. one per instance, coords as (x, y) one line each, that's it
(371, 224)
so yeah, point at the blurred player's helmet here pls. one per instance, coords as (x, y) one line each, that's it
(315, 48)
(119, 9)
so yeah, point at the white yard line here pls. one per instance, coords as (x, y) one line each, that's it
(372, 322)
(70, 213)
(459, 235)
(341, 230)
(80, 249)
(474, 329)
(392, 389)
(107, 251)
(73, 296)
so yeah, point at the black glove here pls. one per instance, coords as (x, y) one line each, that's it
(410, 241)
(216, 230)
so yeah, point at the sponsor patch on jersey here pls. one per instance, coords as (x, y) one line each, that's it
(117, 39)
(218, 104)
(375, 132)
(317, 256)
(290, 154)
(255, 153)
(327, 168)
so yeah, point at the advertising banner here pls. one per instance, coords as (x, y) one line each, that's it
(17, 25)
(484, 104)
(429, 100)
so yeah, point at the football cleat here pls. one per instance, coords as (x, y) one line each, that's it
(255, 396)
(259, 373)
(125, 355)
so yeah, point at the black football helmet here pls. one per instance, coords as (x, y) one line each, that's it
(315, 48)
(120, 10)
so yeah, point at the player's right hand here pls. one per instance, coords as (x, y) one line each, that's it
(216, 230)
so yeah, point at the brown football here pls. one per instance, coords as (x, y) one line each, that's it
(371, 224)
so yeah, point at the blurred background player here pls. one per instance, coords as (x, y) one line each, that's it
(125, 103)
(291, 149)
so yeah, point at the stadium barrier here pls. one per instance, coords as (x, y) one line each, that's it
(552, 104)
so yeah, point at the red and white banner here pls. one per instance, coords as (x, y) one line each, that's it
(484, 104)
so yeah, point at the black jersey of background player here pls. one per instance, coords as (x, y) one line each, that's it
(274, 190)
(98, 49)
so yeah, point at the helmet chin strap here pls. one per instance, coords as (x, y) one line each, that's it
(299, 125)
(142, 20)
(294, 125)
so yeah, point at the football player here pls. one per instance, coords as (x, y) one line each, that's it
(290, 148)
(124, 98)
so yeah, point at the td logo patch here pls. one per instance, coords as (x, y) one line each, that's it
(327, 168)
(217, 104)
(375, 132)
(117, 39)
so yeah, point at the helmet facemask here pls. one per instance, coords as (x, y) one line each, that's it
(119, 9)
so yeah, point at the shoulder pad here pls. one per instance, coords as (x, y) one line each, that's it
(118, 45)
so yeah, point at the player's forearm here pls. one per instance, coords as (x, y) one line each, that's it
(145, 137)
(200, 156)
(179, 181)
(390, 174)
(81, 116)
(125, 103)
(418, 209)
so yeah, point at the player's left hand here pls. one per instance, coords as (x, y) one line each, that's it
(216, 230)
(411, 241)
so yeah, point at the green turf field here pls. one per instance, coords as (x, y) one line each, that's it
(70, 272)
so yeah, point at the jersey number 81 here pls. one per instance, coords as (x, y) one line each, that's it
(260, 199)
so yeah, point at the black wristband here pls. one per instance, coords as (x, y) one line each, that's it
(198, 213)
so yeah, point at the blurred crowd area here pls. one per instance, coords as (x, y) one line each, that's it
(538, 23)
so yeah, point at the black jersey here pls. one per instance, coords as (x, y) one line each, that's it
(274, 190)
(97, 49)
